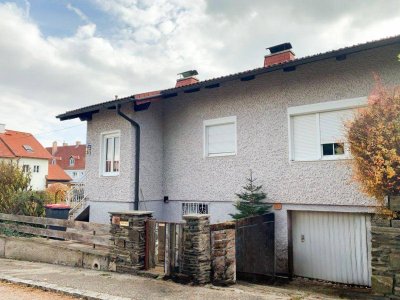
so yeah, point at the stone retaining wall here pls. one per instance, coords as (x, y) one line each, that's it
(223, 253)
(386, 258)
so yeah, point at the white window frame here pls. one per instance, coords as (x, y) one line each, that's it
(214, 122)
(317, 108)
(103, 136)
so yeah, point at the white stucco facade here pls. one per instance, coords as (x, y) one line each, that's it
(38, 178)
(172, 151)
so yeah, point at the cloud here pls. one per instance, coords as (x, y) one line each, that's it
(78, 12)
(150, 41)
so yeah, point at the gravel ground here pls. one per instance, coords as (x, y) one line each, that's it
(9, 291)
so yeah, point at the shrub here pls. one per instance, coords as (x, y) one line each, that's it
(374, 139)
(12, 181)
(57, 192)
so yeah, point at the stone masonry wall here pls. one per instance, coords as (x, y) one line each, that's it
(196, 249)
(129, 237)
(386, 258)
(223, 254)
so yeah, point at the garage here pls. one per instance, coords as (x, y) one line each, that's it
(332, 246)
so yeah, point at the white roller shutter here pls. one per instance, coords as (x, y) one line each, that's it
(221, 138)
(305, 137)
(332, 125)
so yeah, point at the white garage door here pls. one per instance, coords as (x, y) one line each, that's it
(331, 246)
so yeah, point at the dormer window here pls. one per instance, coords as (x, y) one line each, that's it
(28, 148)
(71, 161)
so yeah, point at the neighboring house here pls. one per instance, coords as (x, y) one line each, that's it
(30, 155)
(57, 175)
(283, 120)
(71, 158)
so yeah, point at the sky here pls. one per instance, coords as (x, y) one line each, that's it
(61, 55)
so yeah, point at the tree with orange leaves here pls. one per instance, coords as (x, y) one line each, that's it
(374, 139)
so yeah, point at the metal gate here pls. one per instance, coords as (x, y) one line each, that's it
(164, 247)
(331, 246)
(255, 247)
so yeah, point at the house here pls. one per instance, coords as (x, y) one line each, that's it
(30, 155)
(71, 158)
(57, 175)
(284, 121)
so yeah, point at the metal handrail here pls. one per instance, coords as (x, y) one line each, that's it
(76, 196)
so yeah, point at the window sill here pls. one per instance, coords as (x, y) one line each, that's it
(321, 159)
(220, 155)
(109, 175)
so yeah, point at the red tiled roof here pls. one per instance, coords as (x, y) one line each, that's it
(5, 151)
(57, 174)
(64, 153)
(19, 145)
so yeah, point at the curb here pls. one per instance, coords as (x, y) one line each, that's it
(83, 294)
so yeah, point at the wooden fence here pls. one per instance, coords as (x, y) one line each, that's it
(84, 232)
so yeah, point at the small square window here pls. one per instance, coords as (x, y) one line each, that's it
(220, 137)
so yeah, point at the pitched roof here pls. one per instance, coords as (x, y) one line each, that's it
(5, 151)
(64, 153)
(85, 112)
(56, 173)
(21, 144)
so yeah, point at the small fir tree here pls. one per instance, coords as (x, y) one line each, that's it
(250, 201)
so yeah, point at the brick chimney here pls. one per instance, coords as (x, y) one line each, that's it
(78, 143)
(2, 128)
(65, 144)
(279, 54)
(186, 78)
(54, 148)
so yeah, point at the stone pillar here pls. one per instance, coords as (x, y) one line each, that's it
(196, 248)
(128, 232)
(223, 253)
(385, 258)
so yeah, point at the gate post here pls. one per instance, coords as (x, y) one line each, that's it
(128, 232)
(196, 248)
(223, 253)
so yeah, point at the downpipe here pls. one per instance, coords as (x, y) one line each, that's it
(137, 153)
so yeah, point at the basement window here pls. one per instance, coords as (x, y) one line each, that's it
(110, 154)
(194, 208)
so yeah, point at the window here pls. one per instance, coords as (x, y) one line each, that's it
(317, 130)
(53, 161)
(71, 161)
(74, 174)
(25, 168)
(110, 154)
(28, 148)
(194, 208)
(35, 169)
(220, 137)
